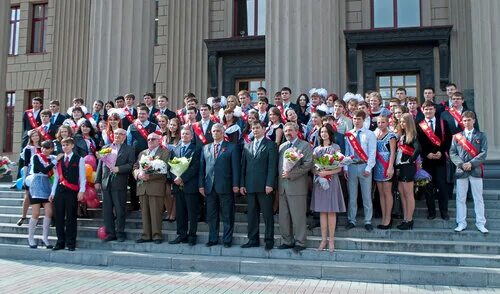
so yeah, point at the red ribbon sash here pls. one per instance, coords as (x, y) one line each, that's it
(282, 113)
(384, 163)
(429, 133)
(91, 145)
(245, 137)
(457, 116)
(467, 145)
(140, 128)
(199, 132)
(408, 150)
(46, 160)
(300, 135)
(356, 146)
(180, 115)
(214, 118)
(129, 115)
(111, 136)
(31, 119)
(244, 116)
(63, 181)
(45, 135)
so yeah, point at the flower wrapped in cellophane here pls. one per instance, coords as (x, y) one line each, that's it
(6, 165)
(291, 157)
(178, 165)
(108, 156)
(327, 162)
(152, 165)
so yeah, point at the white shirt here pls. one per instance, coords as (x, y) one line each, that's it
(82, 180)
(153, 152)
(468, 134)
(204, 124)
(433, 123)
(368, 142)
(256, 144)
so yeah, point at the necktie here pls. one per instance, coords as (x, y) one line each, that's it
(52, 119)
(45, 128)
(255, 147)
(290, 145)
(431, 124)
(183, 150)
(216, 150)
(469, 136)
(66, 161)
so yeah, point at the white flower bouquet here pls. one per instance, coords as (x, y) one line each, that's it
(178, 165)
(152, 165)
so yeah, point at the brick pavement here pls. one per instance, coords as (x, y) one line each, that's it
(43, 277)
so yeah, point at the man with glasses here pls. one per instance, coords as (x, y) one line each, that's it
(113, 182)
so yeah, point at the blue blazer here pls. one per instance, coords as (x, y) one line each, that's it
(222, 174)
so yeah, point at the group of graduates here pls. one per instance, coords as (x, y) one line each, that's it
(236, 148)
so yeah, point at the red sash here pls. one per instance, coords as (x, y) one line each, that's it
(312, 137)
(244, 116)
(45, 134)
(180, 115)
(129, 115)
(313, 109)
(467, 146)
(111, 137)
(282, 113)
(31, 118)
(140, 128)
(429, 133)
(46, 160)
(91, 145)
(199, 132)
(63, 181)
(356, 146)
(214, 118)
(408, 150)
(457, 116)
(245, 137)
(384, 163)
(300, 135)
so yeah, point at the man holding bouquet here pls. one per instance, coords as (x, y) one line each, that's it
(115, 164)
(295, 161)
(150, 172)
(184, 170)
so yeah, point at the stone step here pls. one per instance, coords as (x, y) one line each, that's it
(365, 243)
(358, 271)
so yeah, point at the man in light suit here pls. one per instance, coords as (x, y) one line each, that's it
(151, 189)
(185, 189)
(292, 188)
(258, 180)
(468, 152)
(113, 182)
(219, 180)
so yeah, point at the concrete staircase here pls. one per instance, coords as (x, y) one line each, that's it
(432, 253)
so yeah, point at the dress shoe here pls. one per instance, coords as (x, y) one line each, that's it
(157, 241)
(350, 226)
(406, 225)
(285, 246)
(460, 228)
(445, 216)
(32, 246)
(431, 216)
(227, 244)
(269, 246)
(71, 248)
(482, 229)
(211, 243)
(178, 240)
(109, 238)
(142, 241)
(249, 245)
(21, 221)
(120, 239)
(369, 227)
(58, 247)
(298, 248)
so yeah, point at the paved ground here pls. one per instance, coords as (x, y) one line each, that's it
(42, 277)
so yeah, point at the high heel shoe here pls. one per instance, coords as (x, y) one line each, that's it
(21, 221)
(406, 225)
(385, 227)
(322, 245)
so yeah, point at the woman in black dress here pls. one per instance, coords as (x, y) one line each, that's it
(303, 102)
(85, 140)
(247, 134)
(408, 151)
(232, 131)
(275, 129)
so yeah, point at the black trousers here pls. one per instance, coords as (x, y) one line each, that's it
(438, 173)
(257, 203)
(114, 201)
(187, 210)
(66, 205)
(225, 204)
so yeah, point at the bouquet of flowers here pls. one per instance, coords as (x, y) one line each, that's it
(423, 180)
(178, 165)
(5, 165)
(327, 162)
(108, 156)
(152, 165)
(291, 157)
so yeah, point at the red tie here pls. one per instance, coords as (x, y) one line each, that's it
(66, 162)
(216, 150)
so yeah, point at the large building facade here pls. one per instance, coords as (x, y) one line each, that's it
(98, 49)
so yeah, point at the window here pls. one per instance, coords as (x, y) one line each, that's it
(15, 18)
(395, 13)
(39, 28)
(9, 121)
(250, 18)
(156, 22)
(250, 85)
(387, 84)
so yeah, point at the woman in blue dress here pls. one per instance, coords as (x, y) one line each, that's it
(384, 168)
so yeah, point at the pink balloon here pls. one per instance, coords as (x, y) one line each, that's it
(90, 159)
(90, 193)
(94, 203)
(101, 233)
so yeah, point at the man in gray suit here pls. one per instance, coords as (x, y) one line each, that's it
(113, 182)
(219, 180)
(468, 152)
(292, 188)
(258, 179)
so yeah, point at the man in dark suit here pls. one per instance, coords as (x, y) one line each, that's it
(453, 115)
(262, 107)
(435, 138)
(113, 181)
(57, 118)
(149, 101)
(130, 111)
(185, 189)
(202, 134)
(286, 94)
(162, 103)
(31, 118)
(258, 180)
(219, 180)
(46, 129)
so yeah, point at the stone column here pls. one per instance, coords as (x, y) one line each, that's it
(486, 59)
(4, 49)
(304, 45)
(121, 44)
